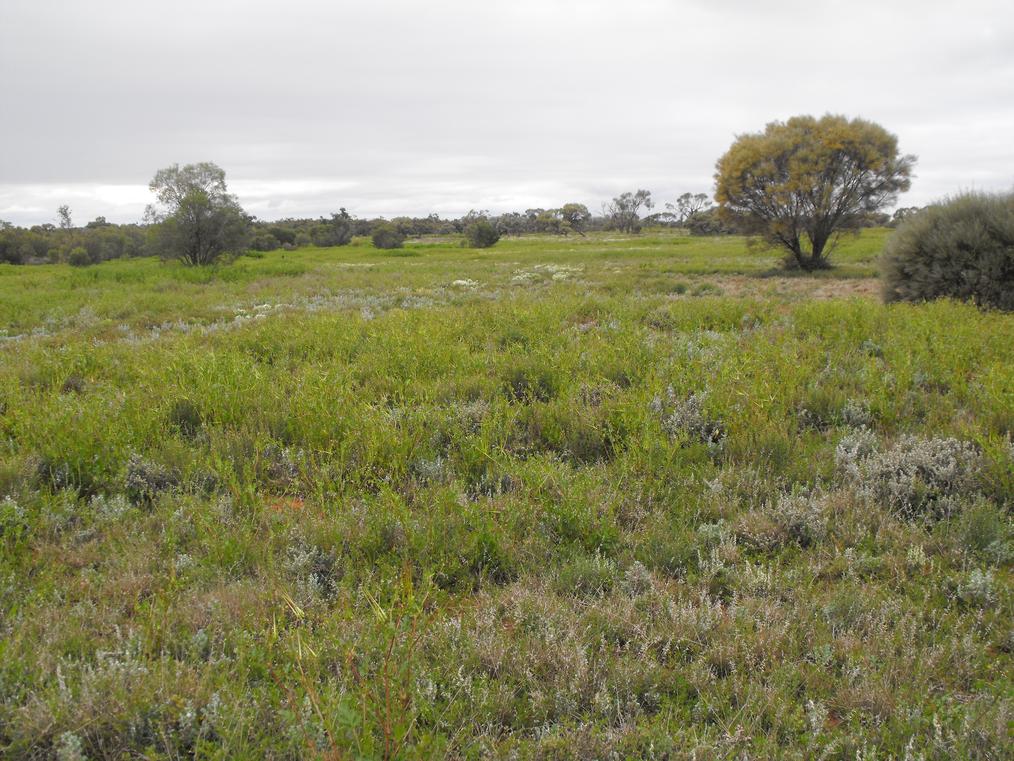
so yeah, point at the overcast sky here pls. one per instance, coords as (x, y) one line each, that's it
(393, 107)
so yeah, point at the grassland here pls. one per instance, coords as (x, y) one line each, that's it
(566, 498)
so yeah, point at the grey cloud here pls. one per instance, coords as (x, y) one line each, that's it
(406, 107)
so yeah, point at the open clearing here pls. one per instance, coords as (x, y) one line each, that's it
(603, 497)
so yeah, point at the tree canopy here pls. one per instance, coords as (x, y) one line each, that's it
(799, 184)
(624, 210)
(576, 216)
(197, 220)
(63, 214)
(687, 206)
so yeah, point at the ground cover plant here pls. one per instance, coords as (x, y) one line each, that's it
(601, 497)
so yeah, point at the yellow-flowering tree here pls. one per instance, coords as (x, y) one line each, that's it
(799, 184)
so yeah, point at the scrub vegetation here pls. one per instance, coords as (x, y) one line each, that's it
(599, 496)
(962, 248)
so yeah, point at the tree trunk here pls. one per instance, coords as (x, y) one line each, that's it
(797, 252)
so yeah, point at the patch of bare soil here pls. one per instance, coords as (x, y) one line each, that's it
(804, 287)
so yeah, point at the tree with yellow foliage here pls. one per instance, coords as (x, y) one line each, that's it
(800, 184)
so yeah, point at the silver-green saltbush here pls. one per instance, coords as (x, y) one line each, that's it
(687, 417)
(915, 477)
(977, 589)
(145, 480)
(803, 517)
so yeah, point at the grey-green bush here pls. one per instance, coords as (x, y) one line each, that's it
(386, 235)
(481, 234)
(961, 249)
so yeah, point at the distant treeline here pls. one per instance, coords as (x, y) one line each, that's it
(100, 240)
(95, 242)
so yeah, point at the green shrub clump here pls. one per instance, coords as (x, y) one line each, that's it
(78, 257)
(962, 249)
(387, 236)
(481, 234)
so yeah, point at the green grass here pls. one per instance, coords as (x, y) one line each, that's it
(148, 292)
(329, 503)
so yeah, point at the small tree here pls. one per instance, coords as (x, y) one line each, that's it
(624, 210)
(387, 235)
(480, 234)
(576, 215)
(196, 220)
(10, 244)
(63, 216)
(512, 223)
(961, 249)
(900, 215)
(686, 206)
(532, 219)
(337, 231)
(550, 221)
(799, 184)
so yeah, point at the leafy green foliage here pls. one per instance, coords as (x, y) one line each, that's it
(575, 216)
(196, 221)
(78, 257)
(387, 236)
(960, 249)
(337, 231)
(481, 234)
(710, 222)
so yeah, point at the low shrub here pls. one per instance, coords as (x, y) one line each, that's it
(387, 236)
(185, 417)
(708, 222)
(13, 522)
(481, 234)
(145, 481)
(314, 571)
(977, 589)
(74, 384)
(264, 241)
(802, 517)
(961, 249)
(78, 257)
(914, 478)
(637, 579)
(586, 576)
(687, 417)
(984, 530)
(530, 380)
